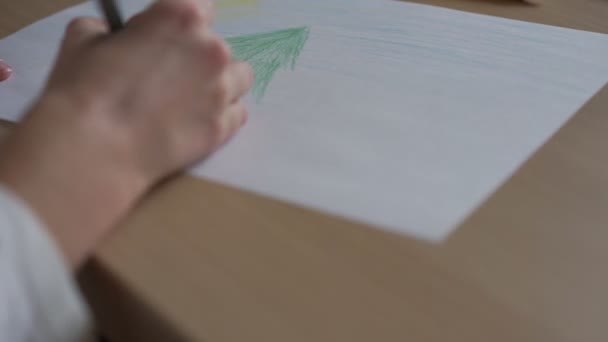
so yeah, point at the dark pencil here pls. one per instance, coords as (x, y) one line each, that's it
(112, 14)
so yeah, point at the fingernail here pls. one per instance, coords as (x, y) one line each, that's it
(5, 71)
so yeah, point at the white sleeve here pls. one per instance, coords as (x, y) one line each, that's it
(39, 299)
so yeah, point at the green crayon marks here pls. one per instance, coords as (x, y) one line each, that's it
(269, 52)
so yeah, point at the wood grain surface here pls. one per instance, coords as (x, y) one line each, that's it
(202, 262)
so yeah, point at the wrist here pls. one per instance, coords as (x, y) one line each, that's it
(79, 181)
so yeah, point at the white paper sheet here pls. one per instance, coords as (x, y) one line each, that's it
(400, 115)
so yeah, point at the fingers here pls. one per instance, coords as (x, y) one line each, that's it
(238, 79)
(5, 71)
(230, 122)
(211, 53)
(234, 83)
(184, 14)
(82, 31)
(186, 24)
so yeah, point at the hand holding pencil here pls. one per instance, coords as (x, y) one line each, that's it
(126, 111)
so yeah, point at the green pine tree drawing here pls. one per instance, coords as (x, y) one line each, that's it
(269, 52)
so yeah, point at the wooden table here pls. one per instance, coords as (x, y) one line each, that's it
(199, 261)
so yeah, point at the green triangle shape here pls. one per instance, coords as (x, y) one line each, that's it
(269, 52)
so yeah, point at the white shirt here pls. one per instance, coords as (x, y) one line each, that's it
(39, 299)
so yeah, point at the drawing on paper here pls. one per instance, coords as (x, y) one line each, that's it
(269, 52)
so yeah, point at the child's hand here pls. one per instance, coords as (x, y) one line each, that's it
(121, 112)
(166, 88)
